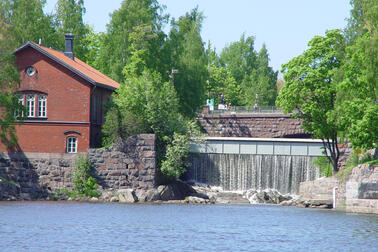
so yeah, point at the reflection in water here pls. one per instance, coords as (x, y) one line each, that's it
(63, 226)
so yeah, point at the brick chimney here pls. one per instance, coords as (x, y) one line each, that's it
(69, 46)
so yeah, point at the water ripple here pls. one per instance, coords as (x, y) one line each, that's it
(62, 226)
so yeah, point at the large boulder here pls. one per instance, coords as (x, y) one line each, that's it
(127, 196)
(147, 195)
(268, 196)
(176, 190)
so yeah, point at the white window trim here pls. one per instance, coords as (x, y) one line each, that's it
(71, 146)
(21, 100)
(30, 105)
(42, 105)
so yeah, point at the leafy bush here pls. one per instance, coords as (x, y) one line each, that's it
(324, 166)
(70, 193)
(84, 183)
(175, 162)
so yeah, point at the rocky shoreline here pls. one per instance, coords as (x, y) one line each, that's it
(175, 192)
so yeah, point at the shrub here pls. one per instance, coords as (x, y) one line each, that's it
(324, 166)
(175, 162)
(84, 183)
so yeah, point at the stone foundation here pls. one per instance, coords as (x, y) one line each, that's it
(126, 164)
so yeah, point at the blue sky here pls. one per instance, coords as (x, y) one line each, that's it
(284, 26)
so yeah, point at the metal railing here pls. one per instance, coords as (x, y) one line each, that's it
(247, 110)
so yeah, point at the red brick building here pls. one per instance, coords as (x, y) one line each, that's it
(64, 98)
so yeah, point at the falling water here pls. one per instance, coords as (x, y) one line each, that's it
(243, 172)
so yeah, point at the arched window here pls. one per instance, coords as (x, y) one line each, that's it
(42, 105)
(71, 145)
(18, 113)
(30, 105)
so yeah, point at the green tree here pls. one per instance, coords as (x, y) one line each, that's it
(149, 104)
(310, 89)
(240, 58)
(251, 71)
(115, 42)
(263, 81)
(28, 22)
(189, 57)
(69, 19)
(9, 82)
(358, 108)
(92, 43)
(222, 81)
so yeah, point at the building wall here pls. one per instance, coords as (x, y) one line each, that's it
(50, 137)
(68, 100)
(99, 98)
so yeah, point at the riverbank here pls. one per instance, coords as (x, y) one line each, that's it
(354, 191)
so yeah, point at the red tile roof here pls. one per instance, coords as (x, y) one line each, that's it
(84, 70)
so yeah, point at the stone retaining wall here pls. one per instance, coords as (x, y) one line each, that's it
(359, 194)
(250, 125)
(126, 164)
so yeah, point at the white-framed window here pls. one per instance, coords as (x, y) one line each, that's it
(20, 98)
(42, 105)
(71, 144)
(30, 105)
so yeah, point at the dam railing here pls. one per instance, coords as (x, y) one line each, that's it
(246, 110)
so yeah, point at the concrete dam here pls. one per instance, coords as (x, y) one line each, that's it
(235, 163)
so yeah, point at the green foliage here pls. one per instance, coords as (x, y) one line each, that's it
(69, 19)
(176, 157)
(28, 22)
(310, 89)
(120, 123)
(324, 166)
(188, 56)
(149, 105)
(221, 81)
(358, 93)
(115, 43)
(70, 193)
(251, 72)
(84, 183)
(9, 82)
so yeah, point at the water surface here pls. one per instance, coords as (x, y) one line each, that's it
(65, 226)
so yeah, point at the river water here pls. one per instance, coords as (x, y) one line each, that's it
(65, 226)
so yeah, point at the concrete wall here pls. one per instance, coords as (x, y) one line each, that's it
(361, 190)
(358, 194)
(126, 164)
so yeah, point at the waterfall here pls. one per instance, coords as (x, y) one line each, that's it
(242, 172)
